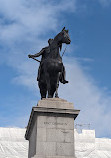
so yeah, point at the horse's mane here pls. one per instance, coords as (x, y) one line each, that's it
(60, 44)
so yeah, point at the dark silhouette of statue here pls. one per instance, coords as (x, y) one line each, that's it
(51, 69)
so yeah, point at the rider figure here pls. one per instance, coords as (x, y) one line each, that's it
(45, 53)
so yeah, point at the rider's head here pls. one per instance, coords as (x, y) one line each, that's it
(50, 41)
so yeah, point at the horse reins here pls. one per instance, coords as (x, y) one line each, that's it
(64, 50)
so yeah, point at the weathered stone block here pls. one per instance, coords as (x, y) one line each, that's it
(46, 148)
(55, 103)
(65, 149)
(60, 135)
(41, 134)
(50, 130)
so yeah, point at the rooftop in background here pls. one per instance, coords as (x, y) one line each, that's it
(14, 145)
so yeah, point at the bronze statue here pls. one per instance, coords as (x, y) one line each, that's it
(51, 69)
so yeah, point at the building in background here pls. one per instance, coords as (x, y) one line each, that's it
(14, 145)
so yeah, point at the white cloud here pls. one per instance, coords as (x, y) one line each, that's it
(24, 26)
(105, 3)
(30, 18)
(88, 97)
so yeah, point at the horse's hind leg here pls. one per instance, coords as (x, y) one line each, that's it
(53, 85)
(57, 86)
(49, 88)
(56, 92)
(48, 79)
(43, 89)
(53, 90)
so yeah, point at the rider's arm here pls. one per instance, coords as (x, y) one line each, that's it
(37, 54)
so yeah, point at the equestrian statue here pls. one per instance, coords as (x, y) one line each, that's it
(51, 69)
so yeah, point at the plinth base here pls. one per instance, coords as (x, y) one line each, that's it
(38, 156)
(50, 130)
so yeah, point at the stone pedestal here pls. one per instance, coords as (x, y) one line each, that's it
(50, 130)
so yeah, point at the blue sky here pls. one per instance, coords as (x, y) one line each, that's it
(25, 27)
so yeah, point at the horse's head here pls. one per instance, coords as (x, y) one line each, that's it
(63, 36)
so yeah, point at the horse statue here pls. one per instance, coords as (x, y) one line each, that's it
(51, 69)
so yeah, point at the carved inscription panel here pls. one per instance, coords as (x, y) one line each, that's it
(55, 122)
